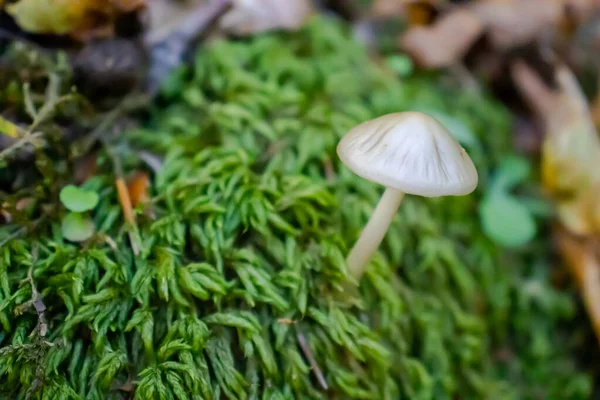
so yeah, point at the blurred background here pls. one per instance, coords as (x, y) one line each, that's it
(174, 218)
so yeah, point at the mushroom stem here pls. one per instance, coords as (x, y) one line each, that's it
(373, 233)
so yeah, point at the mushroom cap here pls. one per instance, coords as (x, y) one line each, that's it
(411, 152)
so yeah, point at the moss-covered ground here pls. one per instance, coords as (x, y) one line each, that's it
(240, 264)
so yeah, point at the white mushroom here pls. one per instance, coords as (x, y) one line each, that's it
(408, 153)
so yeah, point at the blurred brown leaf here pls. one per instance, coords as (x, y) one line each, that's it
(138, 187)
(253, 16)
(444, 42)
(570, 173)
(571, 147)
(511, 23)
(581, 256)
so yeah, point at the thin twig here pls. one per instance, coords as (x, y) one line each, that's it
(314, 366)
(29, 106)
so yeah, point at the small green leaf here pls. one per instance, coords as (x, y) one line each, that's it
(77, 227)
(77, 199)
(506, 220)
(511, 171)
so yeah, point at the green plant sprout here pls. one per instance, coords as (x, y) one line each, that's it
(77, 226)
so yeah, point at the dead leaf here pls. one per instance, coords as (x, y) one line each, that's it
(125, 201)
(512, 23)
(444, 42)
(138, 187)
(581, 258)
(79, 18)
(571, 147)
(254, 16)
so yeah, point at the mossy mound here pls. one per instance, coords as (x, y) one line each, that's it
(244, 256)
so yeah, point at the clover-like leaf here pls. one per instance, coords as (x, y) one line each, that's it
(77, 227)
(77, 199)
(506, 220)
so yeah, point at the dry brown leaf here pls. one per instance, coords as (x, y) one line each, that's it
(512, 23)
(138, 187)
(254, 16)
(571, 147)
(581, 257)
(444, 42)
(125, 201)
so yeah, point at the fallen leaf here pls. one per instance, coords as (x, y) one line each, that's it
(571, 147)
(138, 187)
(581, 256)
(444, 42)
(80, 18)
(125, 201)
(570, 153)
(254, 16)
(512, 23)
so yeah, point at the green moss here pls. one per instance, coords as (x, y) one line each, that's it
(254, 214)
